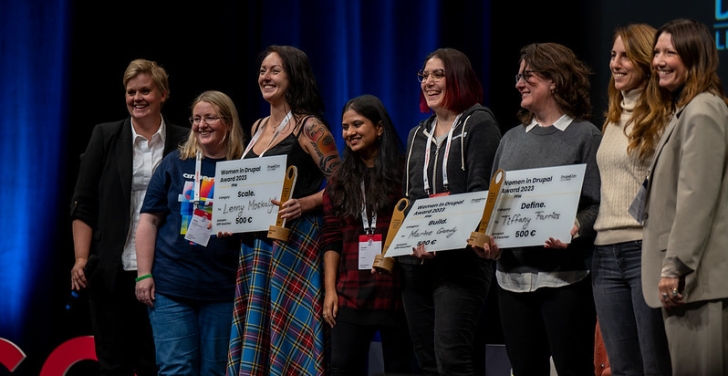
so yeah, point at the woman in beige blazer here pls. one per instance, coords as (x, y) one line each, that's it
(685, 256)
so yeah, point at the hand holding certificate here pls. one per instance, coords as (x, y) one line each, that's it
(531, 207)
(538, 204)
(439, 223)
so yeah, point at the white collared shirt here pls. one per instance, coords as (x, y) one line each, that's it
(147, 154)
(561, 124)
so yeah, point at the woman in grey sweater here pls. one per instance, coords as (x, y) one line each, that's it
(544, 293)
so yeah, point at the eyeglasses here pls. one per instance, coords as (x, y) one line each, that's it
(207, 119)
(526, 75)
(437, 75)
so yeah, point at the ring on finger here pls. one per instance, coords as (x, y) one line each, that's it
(664, 296)
(674, 293)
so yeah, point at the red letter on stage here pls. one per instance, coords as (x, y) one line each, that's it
(10, 355)
(67, 354)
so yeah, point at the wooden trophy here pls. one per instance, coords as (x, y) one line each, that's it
(479, 236)
(386, 264)
(279, 231)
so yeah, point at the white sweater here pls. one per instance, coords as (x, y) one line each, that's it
(622, 175)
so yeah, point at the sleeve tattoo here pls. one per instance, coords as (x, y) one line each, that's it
(323, 144)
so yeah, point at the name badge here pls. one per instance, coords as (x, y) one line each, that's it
(369, 247)
(637, 209)
(199, 231)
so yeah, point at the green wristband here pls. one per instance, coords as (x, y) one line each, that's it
(145, 276)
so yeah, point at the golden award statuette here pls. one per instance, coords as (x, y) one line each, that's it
(279, 231)
(479, 236)
(386, 264)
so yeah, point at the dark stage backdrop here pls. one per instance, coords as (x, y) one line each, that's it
(61, 66)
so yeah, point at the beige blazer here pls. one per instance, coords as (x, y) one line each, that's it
(686, 213)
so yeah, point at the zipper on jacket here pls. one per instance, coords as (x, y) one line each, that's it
(434, 168)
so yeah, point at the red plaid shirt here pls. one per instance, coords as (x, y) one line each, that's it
(364, 298)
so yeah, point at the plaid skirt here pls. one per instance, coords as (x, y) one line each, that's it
(277, 324)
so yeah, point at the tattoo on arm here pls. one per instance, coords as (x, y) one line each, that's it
(323, 144)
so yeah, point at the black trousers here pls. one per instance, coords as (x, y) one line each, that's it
(350, 348)
(444, 300)
(550, 322)
(122, 333)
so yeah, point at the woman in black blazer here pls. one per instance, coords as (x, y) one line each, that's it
(115, 170)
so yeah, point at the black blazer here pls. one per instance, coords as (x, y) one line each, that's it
(102, 197)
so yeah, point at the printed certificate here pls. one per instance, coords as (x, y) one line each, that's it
(537, 204)
(243, 190)
(440, 223)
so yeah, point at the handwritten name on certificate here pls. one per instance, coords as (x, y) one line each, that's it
(243, 190)
(440, 223)
(537, 204)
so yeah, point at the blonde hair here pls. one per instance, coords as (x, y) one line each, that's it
(159, 75)
(233, 140)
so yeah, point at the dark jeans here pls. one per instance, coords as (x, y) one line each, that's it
(122, 333)
(350, 349)
(443, 300)
(633, 333)
(550, 322)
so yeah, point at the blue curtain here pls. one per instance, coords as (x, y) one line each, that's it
(33, 46)
(360, 47)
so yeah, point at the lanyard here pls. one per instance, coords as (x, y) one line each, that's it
(368, 229)
(425, 178)
(260, 131)
(198, 172)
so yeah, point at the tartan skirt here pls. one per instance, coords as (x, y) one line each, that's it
(277, 324)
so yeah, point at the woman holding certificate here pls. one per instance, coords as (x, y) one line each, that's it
(633, 332)
(186, 276)
(450, 152)
(544, 293)
(684, 261)
(358, 206)
(278, 327)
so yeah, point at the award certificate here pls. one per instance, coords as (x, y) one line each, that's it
(440, 223)
(537, 204)
(243, 190)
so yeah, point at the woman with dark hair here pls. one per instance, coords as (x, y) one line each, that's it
(684, 261)
(633, 332)
(277, 322)
(358, 206)
(451, 152)
(544, 295)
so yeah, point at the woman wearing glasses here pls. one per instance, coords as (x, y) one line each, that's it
(185, 276)
(278, 327)
(448, 153)
(544, 293)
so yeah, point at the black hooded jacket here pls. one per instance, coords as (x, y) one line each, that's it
(475, 139)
